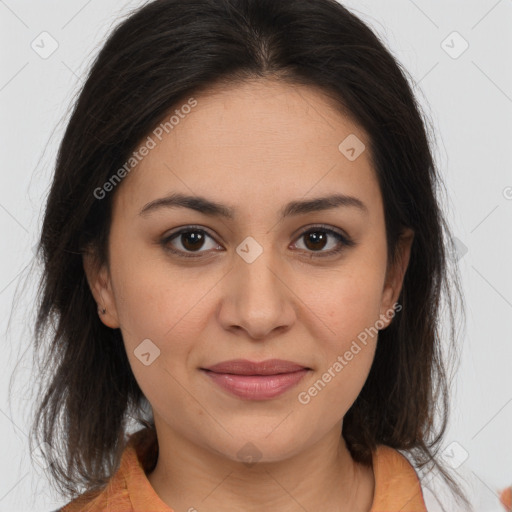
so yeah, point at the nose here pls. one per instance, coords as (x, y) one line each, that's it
(258, 298)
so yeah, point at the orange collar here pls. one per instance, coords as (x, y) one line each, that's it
(397, 487)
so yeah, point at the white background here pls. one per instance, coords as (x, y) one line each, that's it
(469, 99)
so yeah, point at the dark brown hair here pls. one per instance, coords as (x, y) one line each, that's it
(167, 51)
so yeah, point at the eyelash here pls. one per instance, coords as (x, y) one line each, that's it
(345, 241)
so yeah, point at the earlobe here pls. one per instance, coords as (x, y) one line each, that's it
(395, 276)
(99, 281)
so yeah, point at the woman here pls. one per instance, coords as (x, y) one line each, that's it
(244, 251)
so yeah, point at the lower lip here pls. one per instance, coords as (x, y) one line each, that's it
(257, 387)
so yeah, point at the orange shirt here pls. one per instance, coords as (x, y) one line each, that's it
(397, 487)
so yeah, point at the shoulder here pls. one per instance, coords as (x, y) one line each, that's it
(397, 485)
(128, 489)
(439, 497)
(115, 495)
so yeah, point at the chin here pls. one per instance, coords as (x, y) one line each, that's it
(258, 447)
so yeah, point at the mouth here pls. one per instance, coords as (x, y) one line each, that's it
(256, 380)
(245, 367)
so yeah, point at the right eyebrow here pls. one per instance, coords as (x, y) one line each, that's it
(214, 209)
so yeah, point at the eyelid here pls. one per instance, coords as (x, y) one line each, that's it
(324, 227)
(167, 238)
(343, 238)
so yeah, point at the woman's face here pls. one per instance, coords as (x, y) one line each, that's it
(271, 281)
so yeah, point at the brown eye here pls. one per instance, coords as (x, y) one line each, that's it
(316, 239)
(188, 241)
(192, 240)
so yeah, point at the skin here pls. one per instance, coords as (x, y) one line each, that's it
(289, 303)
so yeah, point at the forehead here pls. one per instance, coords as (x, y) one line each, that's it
(264, 114)
(254, 137)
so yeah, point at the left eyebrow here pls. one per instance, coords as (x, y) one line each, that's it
(214, 209)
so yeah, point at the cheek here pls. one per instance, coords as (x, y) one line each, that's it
(346, 309)
(345, 352)
(346, 303)
(153, 296)
(158, 306)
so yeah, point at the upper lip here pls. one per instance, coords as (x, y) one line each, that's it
(245, 367)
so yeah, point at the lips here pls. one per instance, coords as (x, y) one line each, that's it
(245, 367)
(250, 380)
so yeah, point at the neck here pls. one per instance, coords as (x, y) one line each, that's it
(324, 476)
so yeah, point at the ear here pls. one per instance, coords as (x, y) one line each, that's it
(98, 277)
(395, 276)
